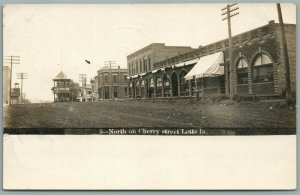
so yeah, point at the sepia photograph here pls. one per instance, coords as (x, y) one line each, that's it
(194, 92)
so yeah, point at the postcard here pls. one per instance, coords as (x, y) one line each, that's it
(149, 96)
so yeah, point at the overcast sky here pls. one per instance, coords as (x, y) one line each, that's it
(49, 38)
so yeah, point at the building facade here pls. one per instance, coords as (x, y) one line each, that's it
(112, 83)
(86, 94)
(144, 59)
(94, 84)
(61, 88)
(258, 68)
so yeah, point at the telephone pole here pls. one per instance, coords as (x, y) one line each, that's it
(285, 52)
(111, 77)
(228, 11)
(82, 79)
(12, 60)
(22, 76)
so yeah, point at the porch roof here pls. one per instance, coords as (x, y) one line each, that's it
(207, 66)
(189, 62)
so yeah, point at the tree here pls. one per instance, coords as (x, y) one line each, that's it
(74, 90)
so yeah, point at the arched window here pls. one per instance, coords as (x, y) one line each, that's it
(166, 83)
(158, 87)
(262, 69)
(130, 89)
(151, 88)
(142, 88)
(137, 89)
(242, 71)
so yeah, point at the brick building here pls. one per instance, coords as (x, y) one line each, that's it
(112, 82)
(258, 70)
(143, 60)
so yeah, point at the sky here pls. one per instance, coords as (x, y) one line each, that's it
(51, 38)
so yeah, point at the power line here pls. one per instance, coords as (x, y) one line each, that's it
(12, 60)
(229, 11)
(22, 76)
(110, 63)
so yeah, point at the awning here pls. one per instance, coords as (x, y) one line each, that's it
(154, 71)
(207, 66)
(189, 62)
(143, 74)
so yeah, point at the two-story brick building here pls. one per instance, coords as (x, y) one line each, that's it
(112, 82)
(143, 60)
(258, 68)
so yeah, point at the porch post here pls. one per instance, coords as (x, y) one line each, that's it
(190, 87)
(179, 86)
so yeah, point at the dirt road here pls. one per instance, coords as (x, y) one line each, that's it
(114, 114)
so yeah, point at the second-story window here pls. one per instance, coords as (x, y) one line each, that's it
(129, 68)
(125, 78)
(115, 78)
(149, 64)
(105, 78)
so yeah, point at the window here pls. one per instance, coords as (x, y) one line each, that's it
(142, 88)
(125, 78)
(145, 64)
(262, 69)
(158, 87)
(130, 90)
(137, 89)
(151, 88)
(105, 78)
(136, 67)
(115, 91)
(141, 70)
(167, 89)
(132, 69)
(106, 92)
(149, 64)
(129, 68)
(242, 71)
(115, 78)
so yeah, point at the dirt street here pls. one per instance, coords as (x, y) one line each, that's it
(185, 114)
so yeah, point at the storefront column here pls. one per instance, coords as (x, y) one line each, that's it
(196, 87)
(190, 87)
(179, 87)
(203, 80)
(154, 94)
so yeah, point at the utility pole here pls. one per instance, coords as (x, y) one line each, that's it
(12, 60)
(285, 52)
(22, 76)
(82, 79)
(111, 77)
(228, 12)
